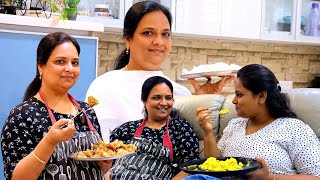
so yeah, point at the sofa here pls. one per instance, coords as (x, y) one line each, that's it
(305, 102)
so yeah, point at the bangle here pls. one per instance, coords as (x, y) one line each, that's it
(37, 158)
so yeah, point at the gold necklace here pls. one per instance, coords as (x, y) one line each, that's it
(126, 68)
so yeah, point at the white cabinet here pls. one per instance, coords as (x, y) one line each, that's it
(303, 11)
(278, 20)
(116, 8)
(241, 18)
(198, 17)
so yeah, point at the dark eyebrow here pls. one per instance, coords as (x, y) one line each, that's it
(152, 29)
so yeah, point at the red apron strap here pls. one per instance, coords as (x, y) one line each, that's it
(74, 102)
(166, 137)
(140, 128)
(167, 140)
(52, 118)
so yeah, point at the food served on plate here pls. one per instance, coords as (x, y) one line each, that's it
(220, 66)
(92, 101)
(213, 164)
(102, 149)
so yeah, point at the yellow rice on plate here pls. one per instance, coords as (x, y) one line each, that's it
(212, 164)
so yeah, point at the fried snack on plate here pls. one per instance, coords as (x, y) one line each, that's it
(103, 149)
(92, 101)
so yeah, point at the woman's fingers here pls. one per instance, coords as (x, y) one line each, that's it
(201, 109)
(194, 83)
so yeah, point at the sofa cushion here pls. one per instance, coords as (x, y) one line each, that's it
(305, 102)
(186, 107)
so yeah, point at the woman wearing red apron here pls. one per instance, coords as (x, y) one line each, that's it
(163, 141)
(40, 133)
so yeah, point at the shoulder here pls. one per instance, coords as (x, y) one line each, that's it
(181, 124)
(294, 126)
(125, 131)
(106, 76)
(128, 126)
(24, 112)
(83, 105)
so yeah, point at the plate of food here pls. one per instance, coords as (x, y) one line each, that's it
(210, 70)
(221, 167)
(105, 151)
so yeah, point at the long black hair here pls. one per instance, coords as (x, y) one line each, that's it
(149, 84)
(258, 78)
(131, 21)
(47, 44)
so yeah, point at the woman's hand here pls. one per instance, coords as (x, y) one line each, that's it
(209, 88)
(261, 173)
(203, 117)
(105, 165)
(60, 131)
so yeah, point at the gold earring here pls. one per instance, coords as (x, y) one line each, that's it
(40, 77)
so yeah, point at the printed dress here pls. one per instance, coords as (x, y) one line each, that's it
(288, 145)
(27, 124)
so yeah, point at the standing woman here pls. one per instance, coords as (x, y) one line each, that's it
(147, 36)
(267, 130)
(39, 134)
(163, 141)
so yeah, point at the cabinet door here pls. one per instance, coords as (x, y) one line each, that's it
(303, 13)
(278, 19)
(198, 17)
(241, 18)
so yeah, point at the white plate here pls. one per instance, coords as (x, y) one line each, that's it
(73, 156)
(210, 74)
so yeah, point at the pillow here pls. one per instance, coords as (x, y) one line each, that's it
(305, 102)
(186, 107)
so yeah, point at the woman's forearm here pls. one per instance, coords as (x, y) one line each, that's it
(180, 175)
(32, 165)
(210, 145)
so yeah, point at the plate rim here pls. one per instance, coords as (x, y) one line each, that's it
(221, 173)
(209, 74)
(72, 156)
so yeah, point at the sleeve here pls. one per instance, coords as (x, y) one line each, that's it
(16, 140)
(124, 132)
(305, 150)
(188, 148)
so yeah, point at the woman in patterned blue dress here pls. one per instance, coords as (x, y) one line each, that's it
(39, 134)
(163, 141)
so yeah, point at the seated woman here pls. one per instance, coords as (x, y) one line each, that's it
(267, 130)
(39, 134)
(163, 141)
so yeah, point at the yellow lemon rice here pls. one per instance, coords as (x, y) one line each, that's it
(212, 164)
(224, 111)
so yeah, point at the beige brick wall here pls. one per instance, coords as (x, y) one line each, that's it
(297, 63)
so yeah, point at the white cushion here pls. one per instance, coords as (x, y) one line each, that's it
(187, 105)
(305, 102)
